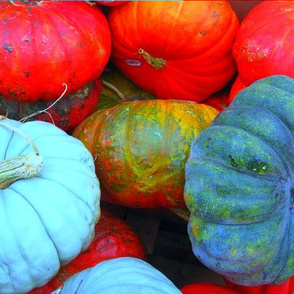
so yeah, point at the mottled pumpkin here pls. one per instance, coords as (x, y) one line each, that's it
(239, 186)
(141, 147)
(66, 112)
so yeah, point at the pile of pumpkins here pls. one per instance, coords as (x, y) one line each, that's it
(145, 104)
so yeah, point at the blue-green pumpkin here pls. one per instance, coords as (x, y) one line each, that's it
(239, 186)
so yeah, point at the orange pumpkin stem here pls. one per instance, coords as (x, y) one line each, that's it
(155, 62)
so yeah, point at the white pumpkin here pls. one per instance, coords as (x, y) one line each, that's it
(123, 275)
(47, 215)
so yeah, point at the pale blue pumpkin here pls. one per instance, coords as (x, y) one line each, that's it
(48, 218)
(124, 275)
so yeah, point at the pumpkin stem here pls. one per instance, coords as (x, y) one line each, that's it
(19, 167)
(46, 109)
(182, 213)
(115, 89)
(156, 63)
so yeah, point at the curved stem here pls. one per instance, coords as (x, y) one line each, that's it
(47, 108)
(115, 89)
(156, 63)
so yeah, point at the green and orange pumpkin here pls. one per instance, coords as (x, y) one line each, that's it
(141, 147)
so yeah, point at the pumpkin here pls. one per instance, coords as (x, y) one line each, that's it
(237, 86)
(123, 275)
(175, 49)
(49, 202)
(206, 288)
(285, 288)
(45, 44)
(239, 186)
(141, 147)
(65, 113)
(219, 100)
(263, 44)
(111, 2)
(113, 238)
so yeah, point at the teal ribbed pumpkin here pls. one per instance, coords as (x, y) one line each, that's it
(238, 188)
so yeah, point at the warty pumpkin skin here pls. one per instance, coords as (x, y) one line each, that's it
(47, 219)
(125, 275)
(175, 49)
(239, 180)
(66, 113)
(264, 42)
(47, 43)
(141, 147)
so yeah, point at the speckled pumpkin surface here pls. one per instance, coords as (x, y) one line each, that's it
(141, 147)
(239, 180)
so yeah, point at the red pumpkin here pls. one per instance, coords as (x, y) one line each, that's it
(65, 113)
(113, 238)
(237, 86)
(264, 42)
(111, 2)
(47, 43)
(219, 100)
(285, 288)
(206, 288)
(175, 49)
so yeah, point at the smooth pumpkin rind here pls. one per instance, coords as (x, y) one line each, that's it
(50, 208)
(194, 40)
(123, 275)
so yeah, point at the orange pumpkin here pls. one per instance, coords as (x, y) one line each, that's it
(175, 49)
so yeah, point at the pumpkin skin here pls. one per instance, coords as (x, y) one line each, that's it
(218, 100)
(239, 186)
(44, 45)
(66, 114)
(141, 147)
(237, 86)
(123, 275)
(39, 215)
(191, 63)
(263, 44)
(113, 238)
(285, 288)
(111, 2)
(206, 288)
